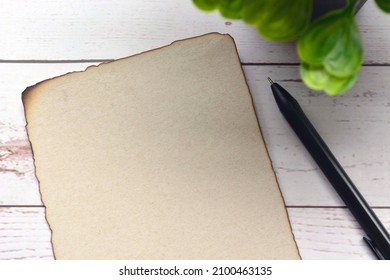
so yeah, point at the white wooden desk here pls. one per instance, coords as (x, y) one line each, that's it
(44, 38)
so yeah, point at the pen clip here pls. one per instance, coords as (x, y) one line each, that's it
(376, 251)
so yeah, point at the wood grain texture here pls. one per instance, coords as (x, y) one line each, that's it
(24, 234)
(320, 233)
(355, 126)
(331, 233)
(103, 29)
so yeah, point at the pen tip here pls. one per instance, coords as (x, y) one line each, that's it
(269, 79)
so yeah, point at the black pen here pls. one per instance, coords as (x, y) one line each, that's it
(378, 237)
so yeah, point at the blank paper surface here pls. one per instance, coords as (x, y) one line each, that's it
(157, 156)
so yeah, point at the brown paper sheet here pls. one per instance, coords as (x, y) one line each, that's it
(157, 156)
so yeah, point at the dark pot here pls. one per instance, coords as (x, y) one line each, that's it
(321, 7)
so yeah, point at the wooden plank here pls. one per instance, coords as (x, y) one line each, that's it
(320, 233)
(24, 234)
(90, 29)
(356, 127)
(331, 233)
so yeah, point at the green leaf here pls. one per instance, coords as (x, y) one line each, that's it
(384, 5)
(330, 48)
(320, 38)
(314, 77)
(252, 10)
(317, 78)
(231, 8)
(282, 20)
(346, 57)
(337, 86)
(333, 41)
(206, 5)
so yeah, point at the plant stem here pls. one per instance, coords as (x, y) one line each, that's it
(351, 6)
(353, 1)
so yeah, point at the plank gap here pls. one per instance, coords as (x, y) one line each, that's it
(22, 206)
(53, 61)
(330, 207)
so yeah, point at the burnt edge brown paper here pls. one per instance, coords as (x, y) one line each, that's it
(157, 156)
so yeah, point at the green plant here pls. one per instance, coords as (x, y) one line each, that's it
(384, 5)
(330, 47)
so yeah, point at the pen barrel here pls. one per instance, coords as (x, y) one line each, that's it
(331, 168)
